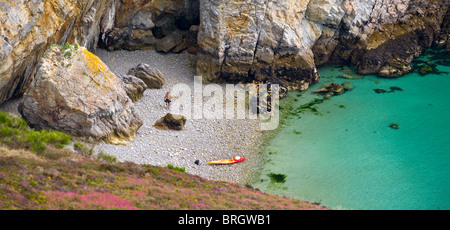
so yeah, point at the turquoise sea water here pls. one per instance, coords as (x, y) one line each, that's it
(346, 156)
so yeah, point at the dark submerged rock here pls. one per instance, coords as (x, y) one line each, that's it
(395, 88)
(380, 91)
(393, 126)
(334, 89)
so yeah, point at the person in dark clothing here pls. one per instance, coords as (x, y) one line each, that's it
(167, 99)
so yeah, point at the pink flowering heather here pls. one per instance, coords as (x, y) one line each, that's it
(92, 200)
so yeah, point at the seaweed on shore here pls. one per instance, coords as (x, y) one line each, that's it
(427, 69)
(437, 54)
(445, 62)
(309, 106)
(277, 177)
(288, 112)
(297, 132)
(434, 56)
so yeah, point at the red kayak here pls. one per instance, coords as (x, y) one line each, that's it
(227, 161)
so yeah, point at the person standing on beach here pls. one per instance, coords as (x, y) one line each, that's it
(167, 99)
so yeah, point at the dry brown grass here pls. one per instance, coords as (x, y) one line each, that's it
(6, 152)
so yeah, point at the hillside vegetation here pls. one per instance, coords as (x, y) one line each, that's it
(38, 171)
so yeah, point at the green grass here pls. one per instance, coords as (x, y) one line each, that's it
(54, 45)
(66, 46)
(107, 157)
(83, 149)
(67, 54)
(178, 169)
(14, 133)
(67, 49)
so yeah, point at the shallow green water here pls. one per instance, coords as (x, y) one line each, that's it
(346, 156)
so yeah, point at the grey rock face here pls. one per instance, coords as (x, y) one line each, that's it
(74, 92)
(149, 24)
(153, 78)
(246, 40)
(134, 86)
(170, 41)
(27, 28)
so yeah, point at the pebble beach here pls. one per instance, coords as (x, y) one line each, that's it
(202, 139)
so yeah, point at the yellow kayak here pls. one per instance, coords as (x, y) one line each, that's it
(227, 161)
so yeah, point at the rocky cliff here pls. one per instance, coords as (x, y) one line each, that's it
(143, 24)
(75, 92)
(287, 40)
(237, 40)
(28, 28)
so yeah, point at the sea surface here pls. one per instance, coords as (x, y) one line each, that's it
(368, 150)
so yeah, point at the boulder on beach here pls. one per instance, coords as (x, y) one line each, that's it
(171, 121)
(153, 78)
(75, 92)
(134, 86)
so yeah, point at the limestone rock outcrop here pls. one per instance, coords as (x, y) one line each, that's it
(383, 36)
(153, 78)
(75, 92)
(445, 33)
(27, 28)
(245, 40)
(262, 40)
(171, 121)
(134, 86)
(143, 24)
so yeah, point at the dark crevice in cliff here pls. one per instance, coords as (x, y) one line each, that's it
(184, 23)
(225, 54)
(173, 30)
(445, 26)
(254, 53)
